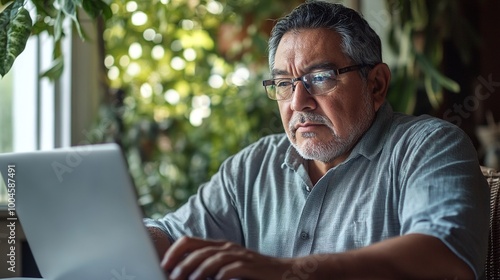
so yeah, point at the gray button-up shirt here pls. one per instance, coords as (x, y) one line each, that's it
(406, 175)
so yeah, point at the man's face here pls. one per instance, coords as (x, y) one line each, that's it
(323, 127)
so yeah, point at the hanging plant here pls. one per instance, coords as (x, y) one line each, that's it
(16, 26)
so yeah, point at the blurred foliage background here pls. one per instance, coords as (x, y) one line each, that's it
(184, 89)
(419, 35)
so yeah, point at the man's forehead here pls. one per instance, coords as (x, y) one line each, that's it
(306, 50)
(325, 65)
(307, 38)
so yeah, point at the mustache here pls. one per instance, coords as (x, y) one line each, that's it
(303, 117)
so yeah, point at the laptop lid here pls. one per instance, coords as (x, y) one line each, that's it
(79, 212)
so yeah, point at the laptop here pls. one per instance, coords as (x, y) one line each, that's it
(79, 212)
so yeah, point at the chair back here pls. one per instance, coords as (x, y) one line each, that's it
(492, 269)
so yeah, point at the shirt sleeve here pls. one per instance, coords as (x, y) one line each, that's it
(209, 214)
(444, 193)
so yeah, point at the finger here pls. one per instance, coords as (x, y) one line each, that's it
(181, 248)
(213, 259)
(190, 266)
(237, 270)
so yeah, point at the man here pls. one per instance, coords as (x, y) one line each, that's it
(351, 191)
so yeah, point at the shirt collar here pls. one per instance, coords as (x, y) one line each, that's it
(292, 158)
(372, 141)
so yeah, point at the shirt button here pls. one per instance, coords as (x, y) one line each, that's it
(304, 235)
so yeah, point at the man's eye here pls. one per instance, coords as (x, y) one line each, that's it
(283, 83)
(321, 77)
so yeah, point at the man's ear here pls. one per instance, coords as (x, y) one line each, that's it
(378, 83)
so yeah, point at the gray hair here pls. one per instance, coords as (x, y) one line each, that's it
(358, 40)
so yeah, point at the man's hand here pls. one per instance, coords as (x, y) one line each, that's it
(412, 256)
(193, 258)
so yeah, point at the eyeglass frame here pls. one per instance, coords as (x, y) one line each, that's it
(293, 81)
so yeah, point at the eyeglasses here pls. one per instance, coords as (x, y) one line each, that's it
(316, 83)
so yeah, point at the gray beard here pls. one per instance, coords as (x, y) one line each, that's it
(329, 151)
(324, 152)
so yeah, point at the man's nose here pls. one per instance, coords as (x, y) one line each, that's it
(302, 100)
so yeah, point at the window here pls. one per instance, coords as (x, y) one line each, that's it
(6, 113)
(31, 109)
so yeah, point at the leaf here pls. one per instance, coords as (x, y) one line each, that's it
(419, 14)
(58, 26)
(57, 66)
(442, 80)
(4, 2)
(55, 69)
(434, 93)
(69, 8)
(3, 6)
(15, 29)
(96, 8)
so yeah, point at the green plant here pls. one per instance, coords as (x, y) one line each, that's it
(418, 32)
(16, 25)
